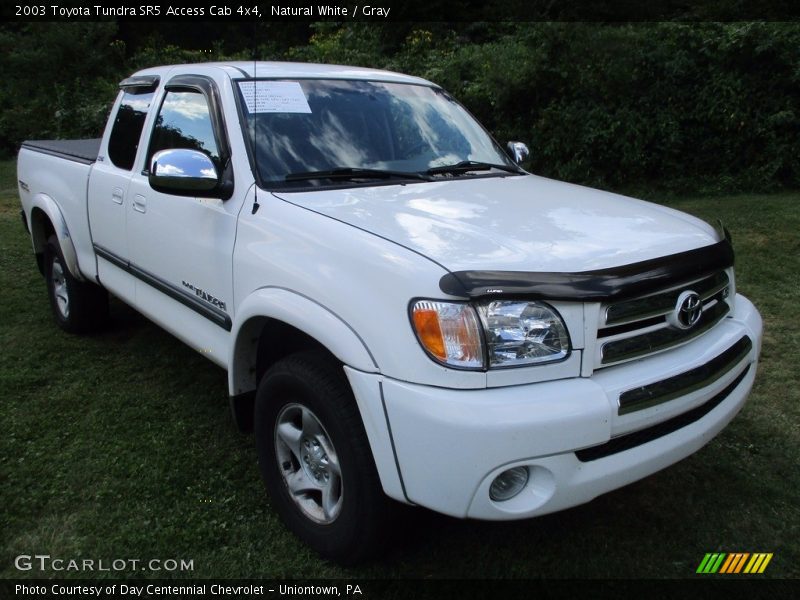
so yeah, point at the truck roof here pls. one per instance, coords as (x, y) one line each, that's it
(276, 69)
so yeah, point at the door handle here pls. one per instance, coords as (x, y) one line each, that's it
(139, 203)
(117, 195)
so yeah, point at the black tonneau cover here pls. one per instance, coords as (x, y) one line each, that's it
(82, 151)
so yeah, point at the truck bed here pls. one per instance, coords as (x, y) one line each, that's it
(82, 151)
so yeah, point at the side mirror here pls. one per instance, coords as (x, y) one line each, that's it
(518, 151)
(183, 172)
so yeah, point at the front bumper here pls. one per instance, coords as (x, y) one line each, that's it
(447, 446)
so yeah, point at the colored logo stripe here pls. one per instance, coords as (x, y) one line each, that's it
(735, 562)
(721, 562)
(758, 563)
(711, 563)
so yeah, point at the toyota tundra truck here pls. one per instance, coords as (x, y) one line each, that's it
(405, 314)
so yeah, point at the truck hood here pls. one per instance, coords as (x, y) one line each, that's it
(514, 223)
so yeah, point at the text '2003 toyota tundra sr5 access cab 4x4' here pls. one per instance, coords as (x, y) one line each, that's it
(402, 310)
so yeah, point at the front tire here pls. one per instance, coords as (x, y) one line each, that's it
(78, 307)
(315, 458)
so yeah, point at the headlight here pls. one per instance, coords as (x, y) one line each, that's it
(516, 333)
(523, 333)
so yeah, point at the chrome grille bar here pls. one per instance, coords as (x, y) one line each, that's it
(685, 383)
(643, 436)
(636, 327)
(663, 302)
(662, 338)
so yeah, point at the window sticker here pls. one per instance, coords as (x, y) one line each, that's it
(274, 97)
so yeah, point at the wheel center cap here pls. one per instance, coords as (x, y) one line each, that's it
(315, 460)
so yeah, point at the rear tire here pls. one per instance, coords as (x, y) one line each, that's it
(78, 307)
(316, 461)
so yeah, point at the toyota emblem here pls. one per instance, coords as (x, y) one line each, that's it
(687, 311)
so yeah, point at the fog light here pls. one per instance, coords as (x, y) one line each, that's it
(508, 484)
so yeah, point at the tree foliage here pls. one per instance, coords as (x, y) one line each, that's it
(710, 105)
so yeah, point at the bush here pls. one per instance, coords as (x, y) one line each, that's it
(707, 105)
(59, 80)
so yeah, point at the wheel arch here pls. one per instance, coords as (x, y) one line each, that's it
(46, 219)
(273, 322)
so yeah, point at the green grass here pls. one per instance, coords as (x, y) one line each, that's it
(119, 445)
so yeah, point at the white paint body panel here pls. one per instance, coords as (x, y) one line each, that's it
(343, 265)
(58, 188)
(513, 223)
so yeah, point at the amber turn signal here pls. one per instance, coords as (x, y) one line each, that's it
(449, 332)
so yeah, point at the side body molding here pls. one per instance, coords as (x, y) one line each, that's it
(300, 312)
(48, 206)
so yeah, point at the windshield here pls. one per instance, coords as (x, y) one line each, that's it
(298, 128)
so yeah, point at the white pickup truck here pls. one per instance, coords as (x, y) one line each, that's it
(404, 313)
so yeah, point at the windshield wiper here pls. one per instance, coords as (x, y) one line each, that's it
(355, 173)
(472, 165)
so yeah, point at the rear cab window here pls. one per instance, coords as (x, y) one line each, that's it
(123, 144)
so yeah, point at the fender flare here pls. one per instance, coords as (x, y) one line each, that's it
(50, 208)
(302, 313)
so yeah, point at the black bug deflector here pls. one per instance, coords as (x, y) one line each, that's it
(615, 283)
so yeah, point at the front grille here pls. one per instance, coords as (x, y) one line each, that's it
(638, 327)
